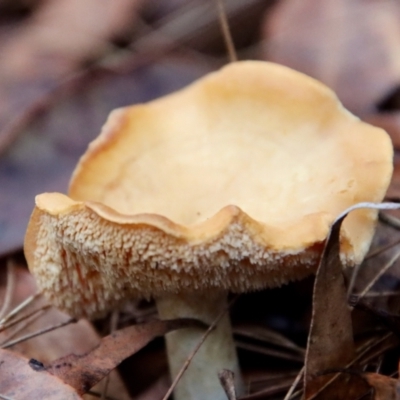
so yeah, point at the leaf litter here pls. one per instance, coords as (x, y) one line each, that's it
(29, 313)
(331, 348)
(73, 375)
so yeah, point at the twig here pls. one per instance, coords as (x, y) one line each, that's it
(381, 249)
(379, 274)
(296, 394)
(267, 392)
(30, 320)
(389, 220)
(20, 307)
(378, 352)
(9, 288)
(38, 333)
(270, 379)
(23, 317)
(226, 32)
(387, 293)
(196, 349)
(270, 337)
(350, 364)
(270, 352)
(113, 327)
(294, 384)
(353, 280)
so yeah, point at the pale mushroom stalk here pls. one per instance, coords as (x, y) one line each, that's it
(200, 381)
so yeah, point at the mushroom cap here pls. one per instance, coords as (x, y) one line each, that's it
(231, 183)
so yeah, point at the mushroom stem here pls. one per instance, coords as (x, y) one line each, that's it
(200, 381)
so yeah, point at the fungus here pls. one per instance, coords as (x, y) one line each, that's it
(230, 184)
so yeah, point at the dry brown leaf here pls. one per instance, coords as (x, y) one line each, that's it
(385, 387)
(352, 46)
(61, 35)
(330, 342)
(19, 380)
(74, 375)
(78, 338)
(52, 46)
(83, 372)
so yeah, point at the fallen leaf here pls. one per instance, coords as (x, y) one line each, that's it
(385, 387)
(83, 372)
(19, 381)
(74, 375)
(78, 338)
(51, 46)
(352, 46)
(330, 342)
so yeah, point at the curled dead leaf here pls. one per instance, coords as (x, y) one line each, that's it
(330, 342)
(21, 380)
(384, 387)
(83, 372)
(352, 46)
(71, 376)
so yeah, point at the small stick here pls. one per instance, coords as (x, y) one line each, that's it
(20, 307)
(294, 384)
(38, 333)
(390, 220)
(28, 321)
(196, 349)
(352, 282)
(351, 363)
(113, 327)
(9, 288)
(387, 293)
(379, 274)
(223, 20)
(23, 317)
(381, 249)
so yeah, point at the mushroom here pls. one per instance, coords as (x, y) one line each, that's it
(230, 184)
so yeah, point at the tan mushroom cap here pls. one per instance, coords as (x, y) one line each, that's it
(232, 183)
